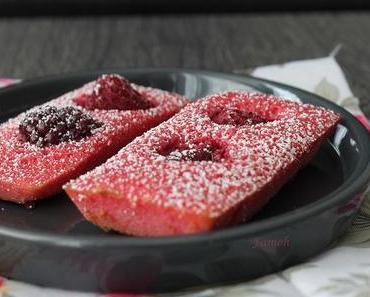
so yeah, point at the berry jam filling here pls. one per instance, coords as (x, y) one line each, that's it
(203, 154)
(236, 117)
(50, 125)
(198, 152)
(112, 91)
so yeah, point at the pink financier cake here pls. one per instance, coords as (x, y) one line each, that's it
(216, 163)
(42, 149)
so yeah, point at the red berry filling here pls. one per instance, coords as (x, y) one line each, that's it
(112, 91)
(50, 125)
(202, 151)
(203, 154)
(236, 117)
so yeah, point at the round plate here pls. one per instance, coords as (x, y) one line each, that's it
(50, 244)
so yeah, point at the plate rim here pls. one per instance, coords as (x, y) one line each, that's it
(353, 185)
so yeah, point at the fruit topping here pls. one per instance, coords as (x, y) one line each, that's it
(205, 150)
(204, 154)
(112, 91)
(236, 117)
(50, 125)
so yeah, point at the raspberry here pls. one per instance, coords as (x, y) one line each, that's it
(236, 117)
(112, 91)
(50, 125)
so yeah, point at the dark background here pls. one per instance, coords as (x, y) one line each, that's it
(40, 37)
(69, 7)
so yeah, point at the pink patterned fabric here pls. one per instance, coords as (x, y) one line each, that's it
(361, 117)
(8, 81)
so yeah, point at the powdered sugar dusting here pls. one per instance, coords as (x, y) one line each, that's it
(249, 156)
(27, 170)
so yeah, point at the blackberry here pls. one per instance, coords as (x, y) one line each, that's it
(203, 154)
(50, 125)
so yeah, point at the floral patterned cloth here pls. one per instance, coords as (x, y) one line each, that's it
(342, 271)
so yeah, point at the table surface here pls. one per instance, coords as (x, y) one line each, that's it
(32, 47)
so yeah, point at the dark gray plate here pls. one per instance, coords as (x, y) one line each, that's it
(52, 245)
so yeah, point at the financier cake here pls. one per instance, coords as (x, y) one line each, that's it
(42, 149)
(214, 164)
